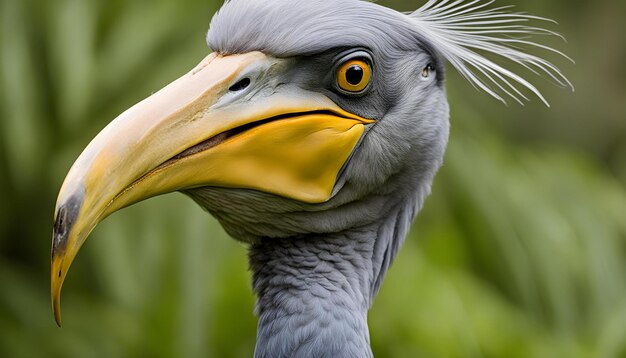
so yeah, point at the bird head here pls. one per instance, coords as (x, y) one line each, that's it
(308, 117)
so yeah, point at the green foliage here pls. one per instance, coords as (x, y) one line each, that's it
(519, 252)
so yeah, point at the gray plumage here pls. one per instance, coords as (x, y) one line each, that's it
(317, 267)
(455, 29)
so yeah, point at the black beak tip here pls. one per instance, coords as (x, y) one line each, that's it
(65, 217)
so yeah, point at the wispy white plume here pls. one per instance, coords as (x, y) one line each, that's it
(460, 29)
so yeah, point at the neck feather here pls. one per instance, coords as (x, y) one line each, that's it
(314, 291)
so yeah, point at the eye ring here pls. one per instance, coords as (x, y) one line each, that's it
(354, 76)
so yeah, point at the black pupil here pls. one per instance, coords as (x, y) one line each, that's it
(354, 75)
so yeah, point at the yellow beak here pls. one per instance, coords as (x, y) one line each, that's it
(196, 132)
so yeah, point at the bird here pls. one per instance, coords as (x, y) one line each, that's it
(312, 132)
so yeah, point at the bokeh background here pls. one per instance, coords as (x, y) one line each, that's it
(519, 252)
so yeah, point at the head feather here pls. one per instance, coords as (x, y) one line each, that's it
(458, 29)
(470, 34)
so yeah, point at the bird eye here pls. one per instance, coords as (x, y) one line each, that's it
(427, 70)
(354, 76)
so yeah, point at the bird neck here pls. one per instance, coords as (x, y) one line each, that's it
(314, 291)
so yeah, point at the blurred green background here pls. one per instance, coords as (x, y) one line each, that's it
(519, 252)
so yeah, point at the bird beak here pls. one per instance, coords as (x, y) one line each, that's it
(196, 132)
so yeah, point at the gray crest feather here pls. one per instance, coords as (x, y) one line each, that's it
(459, 28)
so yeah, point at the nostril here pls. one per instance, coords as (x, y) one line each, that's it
(242, 84)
